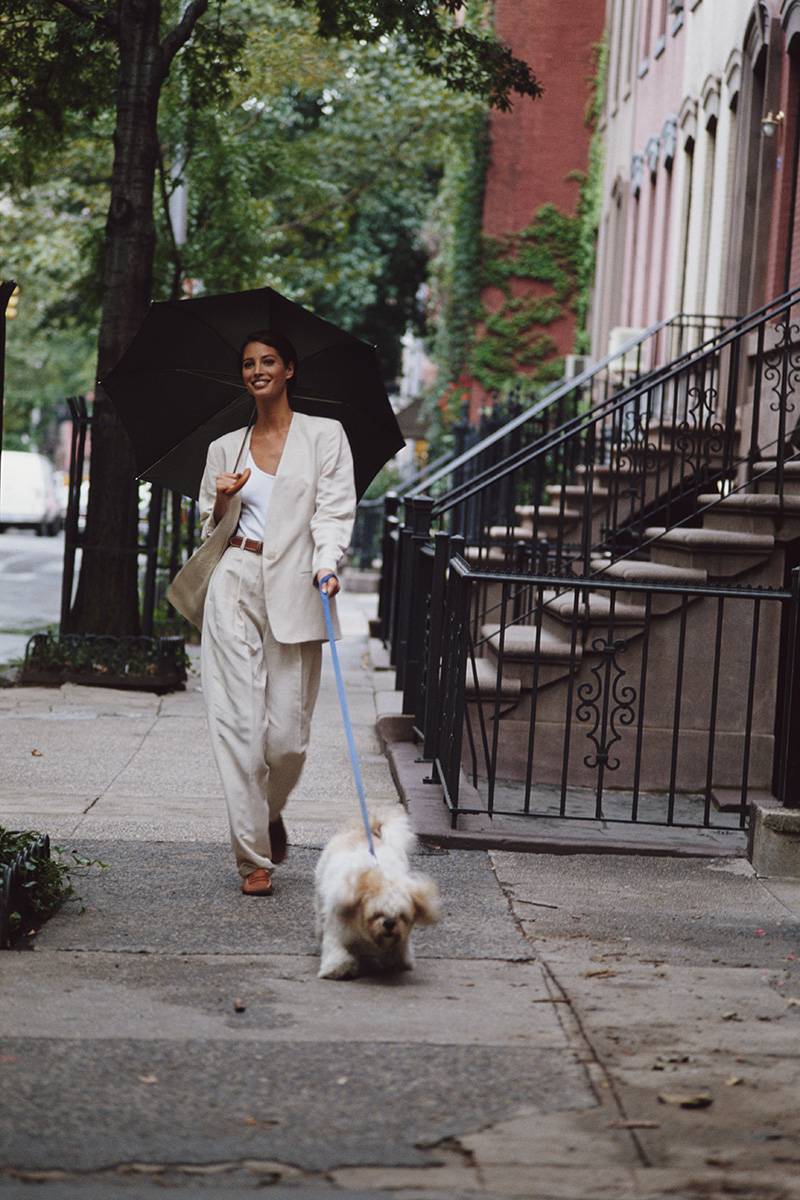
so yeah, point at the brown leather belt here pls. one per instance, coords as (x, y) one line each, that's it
(246, 544)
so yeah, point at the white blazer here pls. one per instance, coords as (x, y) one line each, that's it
(309, 524)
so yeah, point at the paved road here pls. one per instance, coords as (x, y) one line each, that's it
(30, 588)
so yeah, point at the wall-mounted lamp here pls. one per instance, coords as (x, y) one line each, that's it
(771, 122)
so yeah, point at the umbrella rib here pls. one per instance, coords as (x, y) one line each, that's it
(316, 399)
(197, 429)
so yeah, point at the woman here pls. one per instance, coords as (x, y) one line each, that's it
(285, 489)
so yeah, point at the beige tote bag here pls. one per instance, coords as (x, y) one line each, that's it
(187, 592)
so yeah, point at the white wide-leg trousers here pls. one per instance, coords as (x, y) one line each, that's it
(260, 696)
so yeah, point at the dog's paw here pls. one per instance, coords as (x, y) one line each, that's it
(338, 968)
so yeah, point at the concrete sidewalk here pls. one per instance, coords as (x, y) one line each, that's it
(525, 1056)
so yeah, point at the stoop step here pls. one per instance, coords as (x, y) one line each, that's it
(483, 682)
(520, 643)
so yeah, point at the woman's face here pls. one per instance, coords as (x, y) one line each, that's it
(264, 372)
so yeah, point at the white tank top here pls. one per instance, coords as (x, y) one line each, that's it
(255, 501)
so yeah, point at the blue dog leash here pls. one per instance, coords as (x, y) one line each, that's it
(348, 728)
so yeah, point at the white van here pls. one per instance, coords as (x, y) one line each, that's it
(27, 496)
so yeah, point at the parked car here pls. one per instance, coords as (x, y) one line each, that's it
(27, 495)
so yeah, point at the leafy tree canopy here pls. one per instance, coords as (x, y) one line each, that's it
(310, 162)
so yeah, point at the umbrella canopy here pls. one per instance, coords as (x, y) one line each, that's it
(178, 386)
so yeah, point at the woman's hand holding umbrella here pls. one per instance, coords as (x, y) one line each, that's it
(228, 485)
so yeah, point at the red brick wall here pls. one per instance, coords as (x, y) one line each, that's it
(536, 146)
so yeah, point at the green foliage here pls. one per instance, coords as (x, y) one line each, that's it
(139, 658)
(51, 880)
(317, 183)
(456, 223)
(511, 339)
(310, 164)
(465, 55)
(590, 203)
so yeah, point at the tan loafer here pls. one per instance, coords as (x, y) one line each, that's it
(277, 840)
(257, 883)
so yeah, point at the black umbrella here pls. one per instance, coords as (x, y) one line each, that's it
(178, 385)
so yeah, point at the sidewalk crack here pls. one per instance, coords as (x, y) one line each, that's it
(600, 1078)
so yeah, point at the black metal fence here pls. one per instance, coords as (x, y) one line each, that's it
(16, 881)
(614, 701)
(168, 531)
(612, 479)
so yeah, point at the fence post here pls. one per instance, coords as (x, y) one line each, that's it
(431, 669)
(415, 531)
(453, 697)
(7, 289)
(787, 799)
(72, 537)
(391, 503)
(151, 563)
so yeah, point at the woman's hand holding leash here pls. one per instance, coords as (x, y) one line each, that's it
(228, 484)
(327, 581)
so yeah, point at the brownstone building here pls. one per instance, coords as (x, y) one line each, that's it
(538, 154)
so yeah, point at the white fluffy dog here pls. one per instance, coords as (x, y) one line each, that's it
(366, 907)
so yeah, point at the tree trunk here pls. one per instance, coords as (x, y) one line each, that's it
(107, 599)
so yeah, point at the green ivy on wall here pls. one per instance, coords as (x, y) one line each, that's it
(543, 273)
(512, 338)
(454, 236)
(590, 203)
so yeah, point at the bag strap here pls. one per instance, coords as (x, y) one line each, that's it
(244, 441)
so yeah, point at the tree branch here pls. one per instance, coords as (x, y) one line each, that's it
(179, 34)
(87, 12)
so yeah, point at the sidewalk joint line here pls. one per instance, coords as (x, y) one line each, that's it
(576, 1034)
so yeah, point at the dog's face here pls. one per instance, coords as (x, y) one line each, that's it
(383, 913)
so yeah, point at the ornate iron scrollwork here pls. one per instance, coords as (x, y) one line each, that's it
(606, 702)
(784, 368)
(699, 436)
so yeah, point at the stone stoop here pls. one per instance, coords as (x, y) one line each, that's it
(774, 845)
(741, 541)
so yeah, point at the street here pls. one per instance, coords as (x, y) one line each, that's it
(30, 588)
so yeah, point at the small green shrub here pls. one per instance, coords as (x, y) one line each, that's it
(51, 880)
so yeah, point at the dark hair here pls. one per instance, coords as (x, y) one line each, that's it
(269, 337)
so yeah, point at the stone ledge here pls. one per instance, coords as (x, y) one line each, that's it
(774, 847)
(431, 822)
(391, 723)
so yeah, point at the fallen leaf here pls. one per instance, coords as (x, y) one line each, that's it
(37, 754)
(686, 1099)
(733, 1080)
(662, 1060)
(634, 1125)
(731, 1016)
(239, 1005)
(600, 973)
(148, 1079)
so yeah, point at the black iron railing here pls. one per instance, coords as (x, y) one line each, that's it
(485, 492)
(663, 342)
(168, 530)
(17, 879)
(642, 459)
(625, 702)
